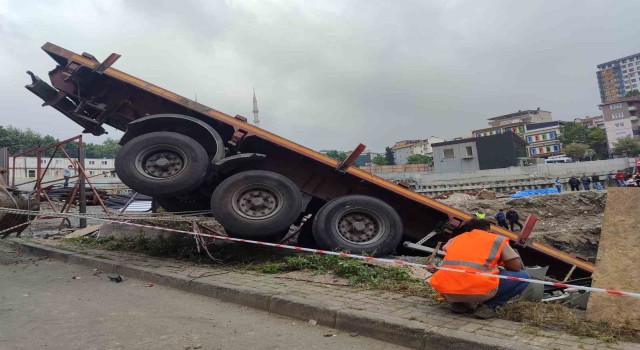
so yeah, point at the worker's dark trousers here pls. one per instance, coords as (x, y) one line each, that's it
(503, 223)
(515, 223)
(66, 181)
(508, 289)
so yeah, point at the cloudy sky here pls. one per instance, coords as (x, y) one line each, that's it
(330, 74)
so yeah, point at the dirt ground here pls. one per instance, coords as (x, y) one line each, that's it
(570, 221)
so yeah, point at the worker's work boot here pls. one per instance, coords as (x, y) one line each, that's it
(484, 312)
(461, 308)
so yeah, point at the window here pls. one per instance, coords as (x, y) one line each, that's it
(469, 150)
(631, 69)
(617, 115)
(104, 162)
(91, 162)
(533, 151)
(624, 71)
(615, 106)
(552, 135)
(619, 125)
(556, 148)
(529, 139)
(31, 173)
(90, 172)
(448, 153)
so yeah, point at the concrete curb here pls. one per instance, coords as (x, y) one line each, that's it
(412, 334)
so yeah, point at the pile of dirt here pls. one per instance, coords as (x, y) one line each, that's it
(570, 221)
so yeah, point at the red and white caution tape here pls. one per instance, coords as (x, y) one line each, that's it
(361, 257)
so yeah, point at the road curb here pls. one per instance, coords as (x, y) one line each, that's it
(412, 334)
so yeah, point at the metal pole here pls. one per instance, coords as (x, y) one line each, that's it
(81, 179)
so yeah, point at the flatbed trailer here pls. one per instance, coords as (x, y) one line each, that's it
(256, 183)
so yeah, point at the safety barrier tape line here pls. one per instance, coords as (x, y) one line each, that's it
(368, 258)
(16, 226)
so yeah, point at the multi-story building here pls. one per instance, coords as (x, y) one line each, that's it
(534, 126)
(617, 77)
(406, 148)
(479, 153)
(591, 122)
(621, 119)
(543, 139)
(513, 122)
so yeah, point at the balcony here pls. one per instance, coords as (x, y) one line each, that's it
(633, 108)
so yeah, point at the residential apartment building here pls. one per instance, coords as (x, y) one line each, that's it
(479, 153)
(621, 119)
(591, 122)
(617, 77)
(402, 150)
(513, 122)
(543, 139)
(534, 126)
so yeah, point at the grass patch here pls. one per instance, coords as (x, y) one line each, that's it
(559, 318)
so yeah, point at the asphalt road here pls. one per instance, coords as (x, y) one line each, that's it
(42, 306)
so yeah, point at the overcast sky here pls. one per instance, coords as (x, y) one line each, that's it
(330, 74)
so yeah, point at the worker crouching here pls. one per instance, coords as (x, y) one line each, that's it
(478, 250)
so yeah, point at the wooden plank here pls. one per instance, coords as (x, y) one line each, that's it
(83, 231)
(617, 261)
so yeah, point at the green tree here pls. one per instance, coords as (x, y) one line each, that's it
(627, 146)
(337, 155)
(572, 132)
(388, 153)
(379, 160)
(634, 92)
(419, 159)
(575, 150)
(597, 140)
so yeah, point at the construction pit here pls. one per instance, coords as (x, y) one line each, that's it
(569, 221)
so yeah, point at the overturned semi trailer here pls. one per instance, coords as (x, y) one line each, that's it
(255, 183)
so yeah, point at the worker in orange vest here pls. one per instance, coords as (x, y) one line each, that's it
(478, 250)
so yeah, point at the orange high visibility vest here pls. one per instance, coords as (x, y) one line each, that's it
(477, 251)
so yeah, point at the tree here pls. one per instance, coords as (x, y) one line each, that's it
(18, 140)
(388, 153)
(597, 140)
(575, 150)
(337, 155)
(627, 146)
(419, 159)
(572, 132)
(379, 160)
(634, 92)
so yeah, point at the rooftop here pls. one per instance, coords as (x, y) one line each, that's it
(511, 135)
(622, 99)
(603, 65)
(518, 113)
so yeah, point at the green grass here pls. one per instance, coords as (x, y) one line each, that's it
(559, 318)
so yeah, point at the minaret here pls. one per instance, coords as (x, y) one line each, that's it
(256, 120)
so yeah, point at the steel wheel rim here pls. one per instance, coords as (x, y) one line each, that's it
(360, 226)
(161, 161)
(257, 201)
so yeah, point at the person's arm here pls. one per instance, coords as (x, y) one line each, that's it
(512, 264)
(510, 259)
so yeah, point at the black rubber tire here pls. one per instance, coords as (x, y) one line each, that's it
(187, 203)
(325, 225)
(190, 177)
(235, 224)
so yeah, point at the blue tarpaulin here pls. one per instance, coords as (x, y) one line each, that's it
(527, 193)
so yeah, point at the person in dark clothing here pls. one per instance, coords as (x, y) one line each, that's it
(574, 183)
(513, 218)
(502, 219)
(595, 180)
(586, 182)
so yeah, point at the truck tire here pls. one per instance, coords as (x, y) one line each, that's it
(162, 164)
(256, 204)
(359, 224)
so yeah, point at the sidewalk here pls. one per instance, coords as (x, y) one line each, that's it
(409, 321)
